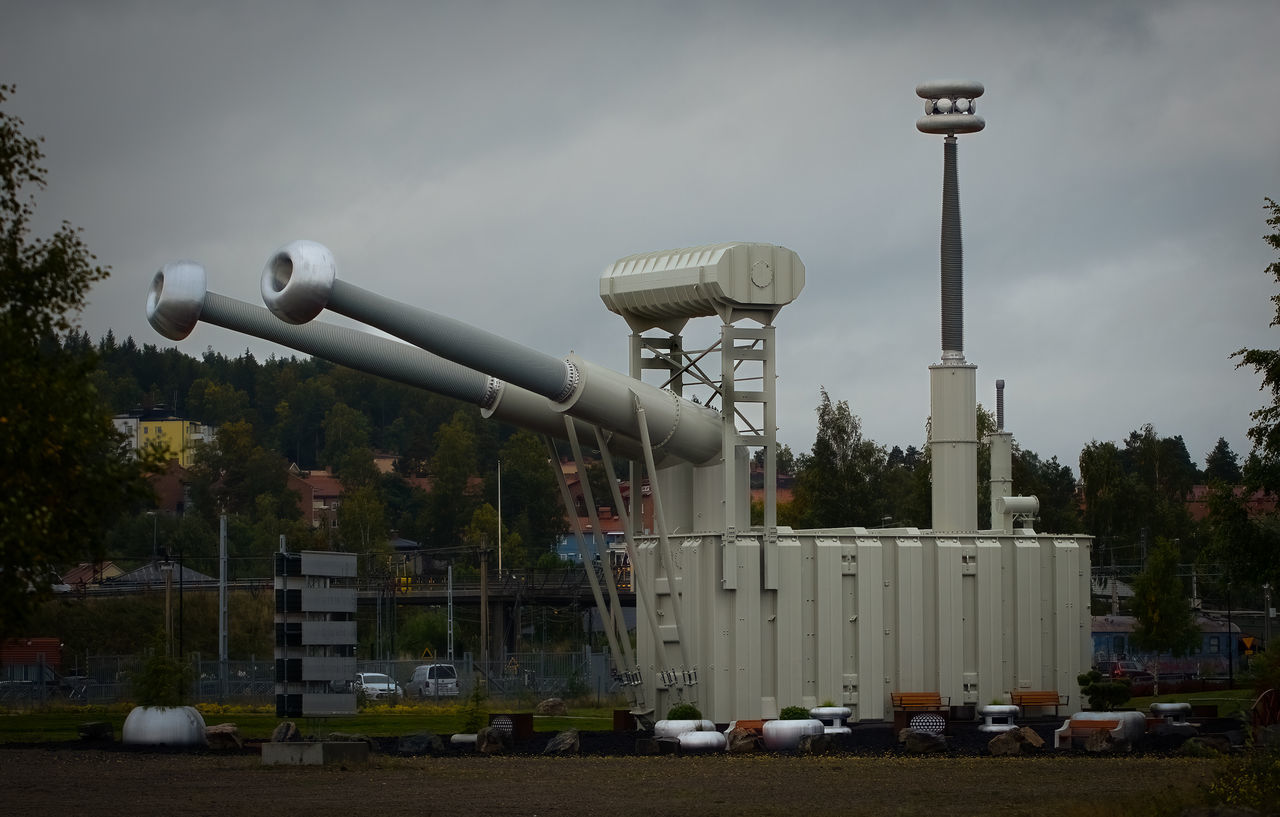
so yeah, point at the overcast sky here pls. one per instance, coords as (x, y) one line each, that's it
(488, 160)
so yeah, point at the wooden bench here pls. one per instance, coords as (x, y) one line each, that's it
(907, 704)
(1043, 698)
(1076, 728)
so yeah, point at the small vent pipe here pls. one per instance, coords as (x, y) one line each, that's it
(999, 405)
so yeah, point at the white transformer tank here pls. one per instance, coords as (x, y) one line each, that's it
(850, 615)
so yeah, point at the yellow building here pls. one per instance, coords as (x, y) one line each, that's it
(177, 436)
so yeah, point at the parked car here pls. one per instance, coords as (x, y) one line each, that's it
(376, 685)
(433, 681)
(1130, 670)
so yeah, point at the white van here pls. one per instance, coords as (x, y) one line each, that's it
(434, 681)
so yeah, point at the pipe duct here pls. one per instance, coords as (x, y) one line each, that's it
(178, 299)
(299, 280)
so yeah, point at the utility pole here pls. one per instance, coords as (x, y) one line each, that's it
(484, 607)
(1267, 614)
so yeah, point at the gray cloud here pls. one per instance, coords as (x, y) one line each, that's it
(488, 160)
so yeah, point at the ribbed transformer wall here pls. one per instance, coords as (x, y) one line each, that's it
(1028, 620)
(989, 604)
(948, 638)
(911, 668)
(873, 647)
(848, 616)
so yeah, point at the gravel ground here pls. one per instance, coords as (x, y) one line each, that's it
(866, 773)
(141, 784)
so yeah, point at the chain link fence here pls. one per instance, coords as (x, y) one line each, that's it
(517, 676)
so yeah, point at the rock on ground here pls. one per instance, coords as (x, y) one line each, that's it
(551, 706)
(490, 741)
(224, 737)
(421, 743)
(286, 732)
(564, 743)
(1015, 742)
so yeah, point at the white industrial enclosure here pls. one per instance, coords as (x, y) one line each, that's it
(847, 616)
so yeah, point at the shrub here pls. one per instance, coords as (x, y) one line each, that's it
(684, 712)
(794, 713)
(1252, 782)
(163, 680)
(475, 713)
(1264, 670)
(1103, 693)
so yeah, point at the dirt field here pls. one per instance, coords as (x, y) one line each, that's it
(68, 780)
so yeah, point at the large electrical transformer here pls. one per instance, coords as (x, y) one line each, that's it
(740, 619)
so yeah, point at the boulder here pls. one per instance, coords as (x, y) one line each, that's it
(923, 743)
(740, 741)
(97, 730)
(814, 744)
(1102, 742)
(1015, 742)
(286, 732)
(421, 743)
(490, 741)
(551, 706)
(564, 743)
(224, 737)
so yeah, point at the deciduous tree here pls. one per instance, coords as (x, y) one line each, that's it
(839, 483)
(64, 477)
(1165, 621)
(1265, 432)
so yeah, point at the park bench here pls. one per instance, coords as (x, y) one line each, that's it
(1041, 698)
(908, 704)
(1077, 728)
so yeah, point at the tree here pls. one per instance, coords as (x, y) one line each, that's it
(1265, 432)
(841, 485)
(362, 521)
(1245, 546)
(1106, 490)
(346, 446)
(449, 505)
(214, 403)
(1165, 621)
(64, 477)
(1222, 465)
(784, 460)
(483, 530)
(238, 475)
(531, 504)
(1055, 486)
